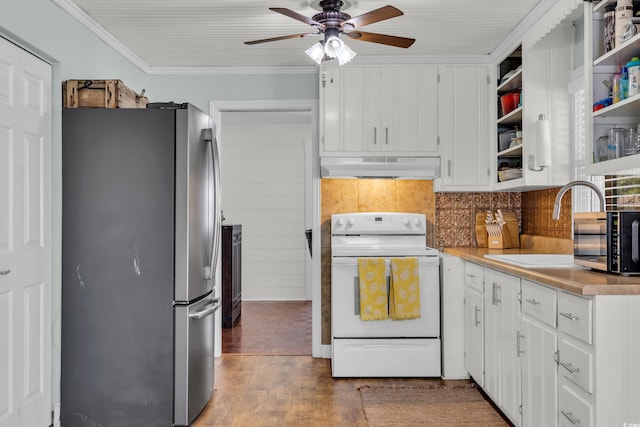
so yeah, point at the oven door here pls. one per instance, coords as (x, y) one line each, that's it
(345, 304)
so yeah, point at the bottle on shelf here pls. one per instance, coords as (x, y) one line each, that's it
(615, 88)
(633, 68)
(624, 84)
(624, 13)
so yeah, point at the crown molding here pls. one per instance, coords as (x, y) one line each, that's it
(307, 69)
(82, 17)
(515, 37)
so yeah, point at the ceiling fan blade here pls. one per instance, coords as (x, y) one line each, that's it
(295, 15)
(386, 12)
(381, 38)
(274, 39)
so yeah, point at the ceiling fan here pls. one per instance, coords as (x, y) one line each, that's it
(332, 22)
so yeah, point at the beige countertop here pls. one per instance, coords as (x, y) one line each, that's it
(576, 279)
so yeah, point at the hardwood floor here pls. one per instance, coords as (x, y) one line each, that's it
(270, 327)
(261, 381)
(286, 391)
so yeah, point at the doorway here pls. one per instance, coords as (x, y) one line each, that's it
(269, 181)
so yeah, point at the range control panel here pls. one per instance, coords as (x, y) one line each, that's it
(377, 223)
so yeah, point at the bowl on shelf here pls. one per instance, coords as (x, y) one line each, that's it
(509, 102)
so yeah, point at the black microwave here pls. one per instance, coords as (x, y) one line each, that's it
(623, 242)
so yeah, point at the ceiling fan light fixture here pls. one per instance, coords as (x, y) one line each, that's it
(316, 52)
(333, 46)
(346, 55)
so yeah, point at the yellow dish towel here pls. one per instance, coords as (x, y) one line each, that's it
(374, 300)
(404, 300)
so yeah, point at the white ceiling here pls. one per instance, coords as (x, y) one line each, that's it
(210, 33)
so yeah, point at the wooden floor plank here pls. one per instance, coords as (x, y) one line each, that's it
(267, 377)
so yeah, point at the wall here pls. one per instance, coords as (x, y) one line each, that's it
(537, 208)
(450, 216)
(76, 53)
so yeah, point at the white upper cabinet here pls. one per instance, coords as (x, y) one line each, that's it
(547, 65)
(379, 110)
(624, 114)
(463, 126)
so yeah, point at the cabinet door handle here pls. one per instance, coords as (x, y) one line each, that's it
(569, 316)
(569, 367)
(532, 301)
(477, 310)
(519, 351)
(375, 136)
(570, 417)
(495, 298)
(386, 136)
(449, 168)
(4, 272)
(473, 276)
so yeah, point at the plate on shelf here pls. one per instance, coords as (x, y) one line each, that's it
(509, 174)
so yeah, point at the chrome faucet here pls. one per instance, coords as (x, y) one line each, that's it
(556, 204)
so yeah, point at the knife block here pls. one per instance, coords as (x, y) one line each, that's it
(503, 237)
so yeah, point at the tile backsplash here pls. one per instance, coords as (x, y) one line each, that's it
(450, 216)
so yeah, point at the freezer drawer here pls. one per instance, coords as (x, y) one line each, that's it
(194, 358)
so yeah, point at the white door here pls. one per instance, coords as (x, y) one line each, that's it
(25, 238)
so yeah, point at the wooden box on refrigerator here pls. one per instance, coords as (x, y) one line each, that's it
(101, 94)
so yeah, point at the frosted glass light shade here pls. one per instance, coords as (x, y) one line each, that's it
(316, 52)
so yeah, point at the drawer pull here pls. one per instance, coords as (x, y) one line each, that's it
(477, 321)
(569, 316)
(569, 367)
(532, 301)
(4, 272)
(570, 417)
(472, 276)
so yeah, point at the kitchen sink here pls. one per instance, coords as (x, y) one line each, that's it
(535, 260)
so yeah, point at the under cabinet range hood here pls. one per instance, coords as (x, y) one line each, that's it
(380, 167)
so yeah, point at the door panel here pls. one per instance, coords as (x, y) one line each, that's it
(25, 238)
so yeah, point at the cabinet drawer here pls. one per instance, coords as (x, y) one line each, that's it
(474, 276)
(539, 302)
(576, 365)
(573, 410)
(575, 316)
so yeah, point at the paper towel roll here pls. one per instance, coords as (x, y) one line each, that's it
(543, 142)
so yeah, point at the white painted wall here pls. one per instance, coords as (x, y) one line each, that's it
(263, 188)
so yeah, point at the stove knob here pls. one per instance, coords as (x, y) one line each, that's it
(417, 222)
(349, 222)
(339, 223)
(406, 222)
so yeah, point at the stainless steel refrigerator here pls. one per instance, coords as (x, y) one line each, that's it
(140, 235)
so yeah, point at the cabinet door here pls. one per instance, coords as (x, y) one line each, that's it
(463, 125)
(351, 100)
(474, 334)
(409, 109)
(538, 346)
(502, 362)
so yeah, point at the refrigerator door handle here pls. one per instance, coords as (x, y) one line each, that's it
(214, 202)
(207, 310)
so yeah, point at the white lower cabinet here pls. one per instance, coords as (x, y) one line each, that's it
(539, 375)
(474, 334)
(552, 358)
(501, 355)
(538, 348)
